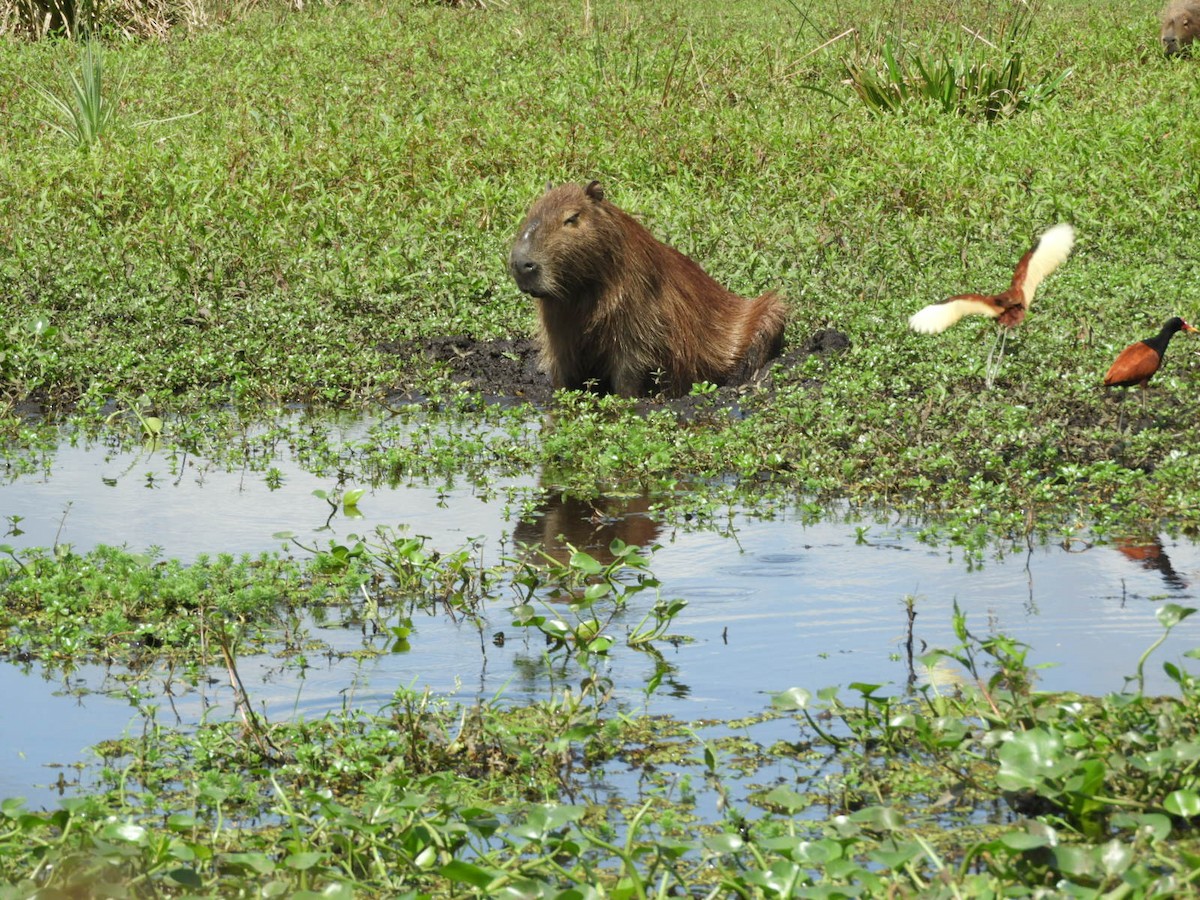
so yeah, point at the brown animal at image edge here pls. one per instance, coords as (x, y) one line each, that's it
(1180, 25)
(620, 310)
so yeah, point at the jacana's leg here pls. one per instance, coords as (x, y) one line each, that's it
(993, 369)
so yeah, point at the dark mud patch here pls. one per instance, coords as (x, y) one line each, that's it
(507, 370)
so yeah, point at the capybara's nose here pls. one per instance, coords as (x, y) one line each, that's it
(525, 268)
(520, 262)
(1169, 46)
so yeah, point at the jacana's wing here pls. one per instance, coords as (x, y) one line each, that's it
(1133, 365)
(1047, 255)
(937, 317)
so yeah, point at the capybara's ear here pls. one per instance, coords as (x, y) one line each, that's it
(594, 190)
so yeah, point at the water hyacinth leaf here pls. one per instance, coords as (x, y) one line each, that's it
(1115, 857)
(545, 818)
(817, 852)
(1021, 841)
(726, 842)
(600, 645)
(1154, 826)
(1185, 803)
(524, 889)
(259, 863)
(1172, 614)
(469, 873)
(185, 852)
(588, 629)
(1029, 758)
(586, 563)
(792, 698)
(866, 690)
(897, 857)
(786, 798)
(594, 592)
(556, 628)
(303, 861)
(880, 818)
(350, 502)
(1074, 860)
(526, 614)
(950, 730)
(587, 892)
(780, 878)
(1186, 751)
(580, 732)
(124, 831)
(186, 877)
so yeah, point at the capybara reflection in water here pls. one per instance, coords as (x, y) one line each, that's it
(624, 312)
(1180, 25)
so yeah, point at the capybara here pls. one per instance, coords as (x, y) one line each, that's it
(624, 312)
(1180, 25)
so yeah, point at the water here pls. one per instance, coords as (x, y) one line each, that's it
(772, 604)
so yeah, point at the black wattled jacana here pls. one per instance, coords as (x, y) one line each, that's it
(1008, 308)
(1137, 363)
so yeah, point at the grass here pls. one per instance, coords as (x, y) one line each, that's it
(323, 182)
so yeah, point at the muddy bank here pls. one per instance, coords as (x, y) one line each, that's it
(508, 369)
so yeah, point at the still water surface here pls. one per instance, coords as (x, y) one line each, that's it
(772, 604)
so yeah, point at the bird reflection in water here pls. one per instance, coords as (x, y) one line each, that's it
(1148, 552)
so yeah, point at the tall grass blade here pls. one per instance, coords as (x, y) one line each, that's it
(85, 114)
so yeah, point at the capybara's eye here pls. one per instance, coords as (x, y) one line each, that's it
(572, 219)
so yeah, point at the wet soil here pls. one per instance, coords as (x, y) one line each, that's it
(508, 369)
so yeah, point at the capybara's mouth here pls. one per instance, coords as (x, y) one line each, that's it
(533, 290)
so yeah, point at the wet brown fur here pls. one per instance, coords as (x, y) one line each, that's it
(624, 311)
(1180, 25)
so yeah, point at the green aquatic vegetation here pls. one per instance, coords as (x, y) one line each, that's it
(597, 596)
(29, 350)
(909, 797)
(63, 606)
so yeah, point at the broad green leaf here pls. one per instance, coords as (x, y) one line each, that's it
(1183, 803)
(586, 563)
(792, 698)
(725, 842)
(1172, 614)
(1115, 857)
(469, 873)
(1029, 758)
(187, 877)
(304, 860)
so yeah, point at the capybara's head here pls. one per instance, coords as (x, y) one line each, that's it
(1180, 26)
(566, 243)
